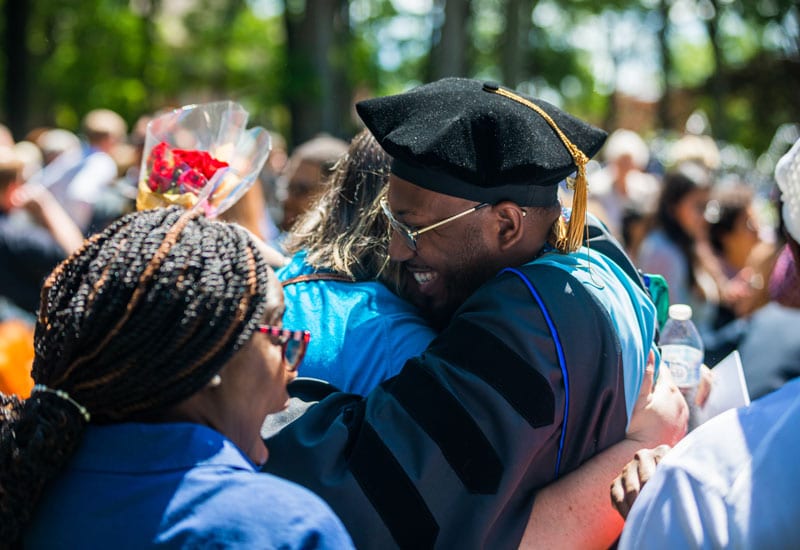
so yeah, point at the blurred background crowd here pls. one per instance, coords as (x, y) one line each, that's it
(699, 98)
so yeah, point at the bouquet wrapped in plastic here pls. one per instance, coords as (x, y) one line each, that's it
(200, 155)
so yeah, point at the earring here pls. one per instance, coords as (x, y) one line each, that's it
(215, 381)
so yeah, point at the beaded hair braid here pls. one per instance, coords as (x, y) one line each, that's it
(137, 320)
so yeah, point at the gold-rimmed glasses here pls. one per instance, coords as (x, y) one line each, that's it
(410, 234)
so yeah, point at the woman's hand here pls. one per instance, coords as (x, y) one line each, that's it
(704, 387)
(627, 485)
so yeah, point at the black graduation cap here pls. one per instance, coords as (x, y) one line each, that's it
(480, 141)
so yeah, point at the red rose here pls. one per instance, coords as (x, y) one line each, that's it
(199, 160)
(161, 152)
(192, 179)
(185, 169)
(211, 166)
(162, 168)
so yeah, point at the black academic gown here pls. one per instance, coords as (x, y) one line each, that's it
(451, 451)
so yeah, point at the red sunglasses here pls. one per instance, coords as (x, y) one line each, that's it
(293, 343)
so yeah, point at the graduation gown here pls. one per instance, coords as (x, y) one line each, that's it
(524, 385)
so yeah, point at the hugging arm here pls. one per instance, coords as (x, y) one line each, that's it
(575, 511)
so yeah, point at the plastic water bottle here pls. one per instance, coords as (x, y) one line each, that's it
(682, 352)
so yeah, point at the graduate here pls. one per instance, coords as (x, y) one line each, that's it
(543, 350)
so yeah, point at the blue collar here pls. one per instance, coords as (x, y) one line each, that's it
(138, 447)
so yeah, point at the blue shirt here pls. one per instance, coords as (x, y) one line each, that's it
(361, 332)
(176, 486)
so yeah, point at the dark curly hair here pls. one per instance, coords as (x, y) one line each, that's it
(137, 320)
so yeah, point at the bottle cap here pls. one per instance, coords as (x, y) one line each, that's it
(680, 312)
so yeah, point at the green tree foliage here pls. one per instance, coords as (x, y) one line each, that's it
(297, 65)
(86, 54)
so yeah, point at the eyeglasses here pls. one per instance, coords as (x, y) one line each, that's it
(410, 234)
(293, 343)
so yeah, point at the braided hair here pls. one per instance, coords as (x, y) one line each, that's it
(137, 320)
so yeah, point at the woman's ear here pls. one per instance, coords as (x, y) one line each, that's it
(511, 226)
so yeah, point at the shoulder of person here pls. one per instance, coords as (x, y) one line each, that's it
(245, 496)
(260, 523)
(99, 160)
(515, 296)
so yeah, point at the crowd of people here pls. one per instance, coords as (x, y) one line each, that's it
(440, 333)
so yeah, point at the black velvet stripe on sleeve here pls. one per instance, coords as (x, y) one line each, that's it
(450, 426)
(487, 356)
(391, 492)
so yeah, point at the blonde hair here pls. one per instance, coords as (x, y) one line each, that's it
(345, 231)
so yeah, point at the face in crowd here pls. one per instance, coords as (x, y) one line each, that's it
(689, 213)
(466, 195)
(304, 187)
(141, 322)
(443, 265)
(254, 381)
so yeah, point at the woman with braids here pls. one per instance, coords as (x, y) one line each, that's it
(338, 282)
(159, 351)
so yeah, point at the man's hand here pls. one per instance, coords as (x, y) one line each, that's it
(626, 486)
(661, 415)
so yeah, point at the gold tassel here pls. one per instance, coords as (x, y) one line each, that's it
(577, 220)
(573, 239)
(558, 233)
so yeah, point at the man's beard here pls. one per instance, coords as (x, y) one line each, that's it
(463, 279)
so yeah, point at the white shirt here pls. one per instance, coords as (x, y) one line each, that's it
(77, 178)
(732, 483)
